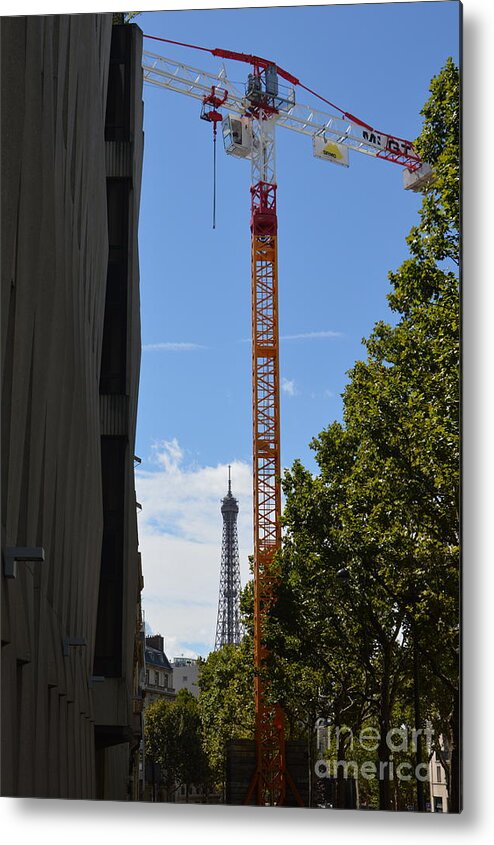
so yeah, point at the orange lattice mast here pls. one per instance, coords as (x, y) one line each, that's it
(269, 782)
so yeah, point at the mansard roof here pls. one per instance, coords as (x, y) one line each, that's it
(157, 658)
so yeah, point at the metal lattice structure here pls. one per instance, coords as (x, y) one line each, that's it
(228, 628)
(345, 129)
(268, 783)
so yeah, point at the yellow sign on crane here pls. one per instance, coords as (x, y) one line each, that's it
(330, 150)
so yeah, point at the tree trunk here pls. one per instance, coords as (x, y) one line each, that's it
(383, 750)
(418, 725)
(455, 796)
(341, 787)
(310, 760)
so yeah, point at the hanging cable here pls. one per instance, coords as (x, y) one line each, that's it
(214, 176)
(319, 97)
(178, 43)
(210, 105)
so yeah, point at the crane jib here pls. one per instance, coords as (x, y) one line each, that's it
(387, 146)
(399, 146)
(344, 129)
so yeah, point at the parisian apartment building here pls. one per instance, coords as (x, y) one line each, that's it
(158, 683)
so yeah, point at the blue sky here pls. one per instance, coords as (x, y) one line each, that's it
(340, 232)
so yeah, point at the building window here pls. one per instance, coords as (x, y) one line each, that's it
(156, 679)
(184, 678)
(117, 124)
(438, 774)
(147, 677)
(114, 343)
(165, 683)
(108, 645)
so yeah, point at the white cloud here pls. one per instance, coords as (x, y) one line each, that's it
(325, 394)
(302, 336)
(171, 346)
(288, 386)
(168, 455)
(180, 529)
(310, 335)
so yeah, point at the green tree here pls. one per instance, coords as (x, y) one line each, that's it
(335, 650)
(174, 739)
(161, 744)
(404, 403)
(226, 701)
(384, 507)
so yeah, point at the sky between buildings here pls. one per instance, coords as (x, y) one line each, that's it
(340, 232)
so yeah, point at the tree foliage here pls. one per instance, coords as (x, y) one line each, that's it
(174, 739)
(226, 701)
(370, 555)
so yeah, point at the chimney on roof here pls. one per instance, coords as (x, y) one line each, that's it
(156, 642)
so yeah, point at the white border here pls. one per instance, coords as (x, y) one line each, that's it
(78, 821)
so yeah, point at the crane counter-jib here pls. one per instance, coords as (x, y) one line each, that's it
(184, 79)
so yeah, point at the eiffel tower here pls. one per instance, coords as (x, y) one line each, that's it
(228, 623)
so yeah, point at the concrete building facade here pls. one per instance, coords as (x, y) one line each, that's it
(186, 674)
(72, 644)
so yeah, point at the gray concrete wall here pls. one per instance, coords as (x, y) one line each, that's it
(54, 274)
(117, 705)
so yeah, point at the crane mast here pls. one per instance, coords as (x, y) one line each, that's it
(257, 112)
(269, 779)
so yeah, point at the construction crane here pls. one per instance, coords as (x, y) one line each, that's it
(248, 121)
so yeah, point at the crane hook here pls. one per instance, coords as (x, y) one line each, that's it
(210, 104)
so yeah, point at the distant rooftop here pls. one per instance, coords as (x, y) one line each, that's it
(157, 658)
(155, 652)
